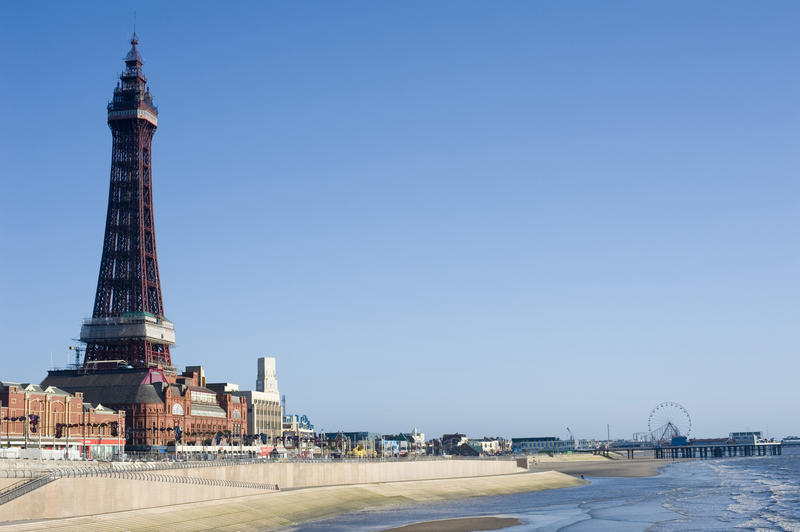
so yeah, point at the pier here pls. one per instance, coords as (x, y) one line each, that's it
(705, 450)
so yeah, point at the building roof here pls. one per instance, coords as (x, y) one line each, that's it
(35, 388)
(98, 408)
(254, 395)
(108, 386)
(53, 390)
(202, 389)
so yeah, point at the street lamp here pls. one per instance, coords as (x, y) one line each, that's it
(39, 423)
(53, 414)
(119, 429)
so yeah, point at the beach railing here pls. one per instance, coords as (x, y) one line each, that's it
(21, 488)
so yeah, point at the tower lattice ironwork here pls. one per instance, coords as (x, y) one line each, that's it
(128, 321)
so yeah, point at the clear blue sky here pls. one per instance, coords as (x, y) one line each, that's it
(494, 218)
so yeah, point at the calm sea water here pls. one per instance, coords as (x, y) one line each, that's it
(759, 493)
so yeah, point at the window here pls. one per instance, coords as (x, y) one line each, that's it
(203, 397)
(177, 409)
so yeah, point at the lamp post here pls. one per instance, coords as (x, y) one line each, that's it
(66, 422)
(25, 420)
(39, 423)
(119, 429)
(53, 415)
(241, 438)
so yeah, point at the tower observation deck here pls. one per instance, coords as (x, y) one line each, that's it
(128, 322)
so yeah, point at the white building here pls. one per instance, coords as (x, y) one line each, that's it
(485, 445)
(746, 438)
(263, 403)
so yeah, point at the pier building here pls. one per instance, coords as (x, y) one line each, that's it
(746, 438)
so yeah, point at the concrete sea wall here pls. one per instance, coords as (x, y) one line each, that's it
(280, 509)
(71, 497)
(311, 474)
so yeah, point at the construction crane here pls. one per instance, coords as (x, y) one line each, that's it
(78, 351)
(571, 435)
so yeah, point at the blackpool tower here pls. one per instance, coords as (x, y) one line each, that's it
(128, 327)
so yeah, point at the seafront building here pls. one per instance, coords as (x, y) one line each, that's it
(345, 442)
(451, 442)
(162, 408)
(485, 445)
(539, 444)
(38, 422)
(404, 443)
(298, 434)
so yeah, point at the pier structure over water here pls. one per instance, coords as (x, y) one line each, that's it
(705, 450)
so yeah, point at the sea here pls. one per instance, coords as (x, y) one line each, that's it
(753, 493)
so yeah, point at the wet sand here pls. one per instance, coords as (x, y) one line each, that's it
(464, 524)
(639, 467)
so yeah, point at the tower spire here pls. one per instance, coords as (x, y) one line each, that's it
(134, 38)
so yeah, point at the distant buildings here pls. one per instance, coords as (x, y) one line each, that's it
(450, 442)
(298, 434)
(358, 443)
(404, 443)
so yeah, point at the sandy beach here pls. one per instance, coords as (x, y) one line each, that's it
(639, 467)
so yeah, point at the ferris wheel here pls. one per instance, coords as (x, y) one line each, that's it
(668, 420)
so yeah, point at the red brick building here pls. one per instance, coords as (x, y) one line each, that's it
(49, 418)
(161, 408)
